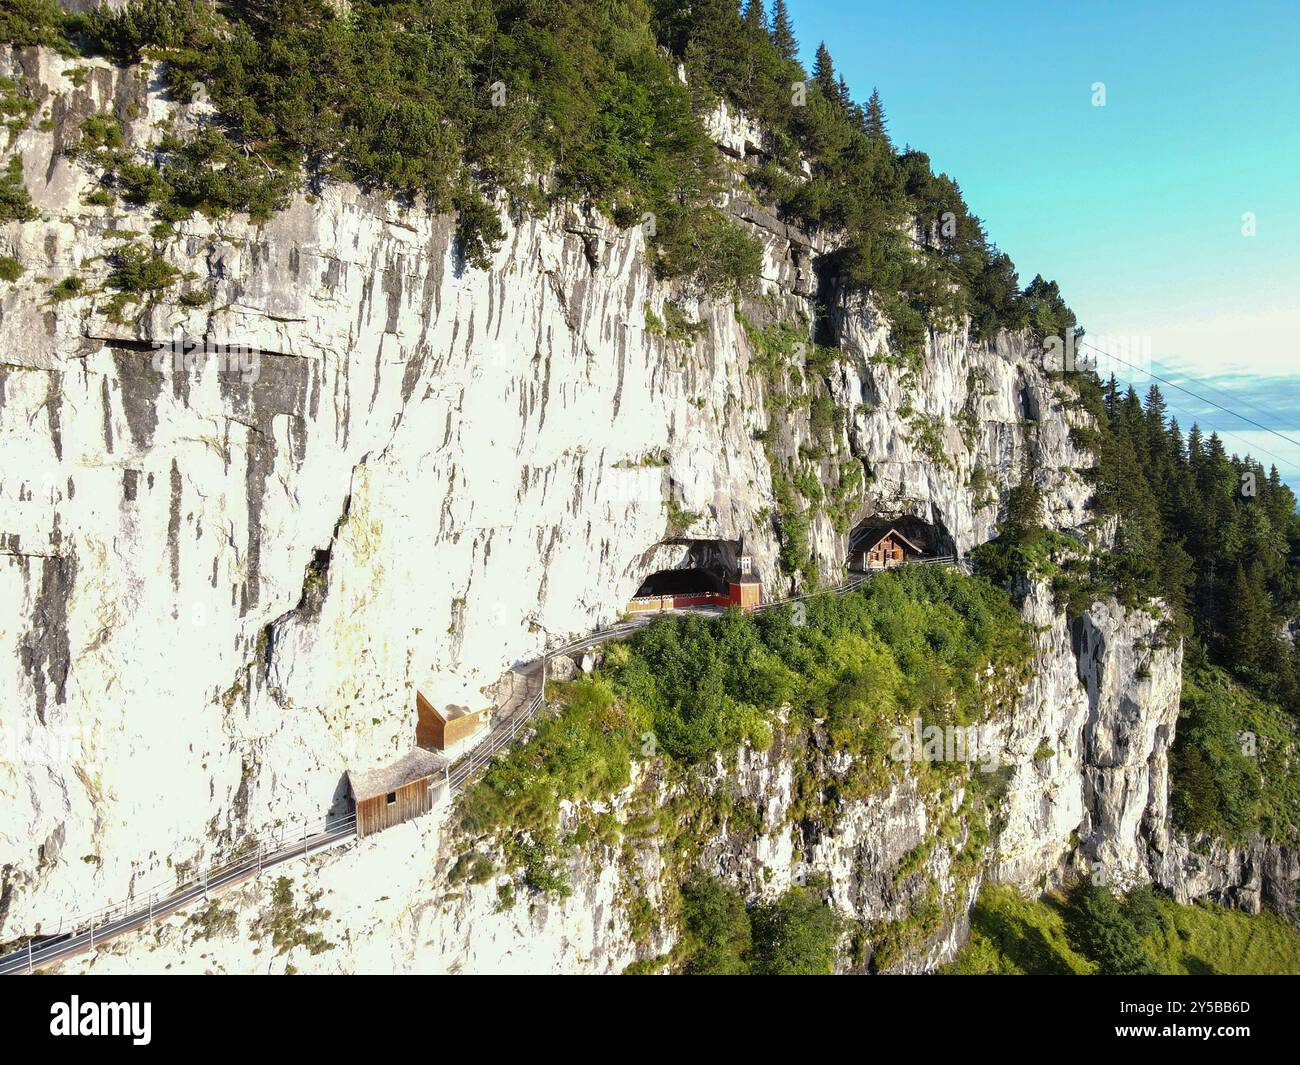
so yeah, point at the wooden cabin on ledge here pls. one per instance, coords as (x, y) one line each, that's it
(398, 792)
(440, 729)
(881, 546)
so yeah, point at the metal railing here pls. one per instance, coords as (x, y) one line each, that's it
(496, 741)
(86, 930)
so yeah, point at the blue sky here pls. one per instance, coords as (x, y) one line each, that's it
(1137, 207)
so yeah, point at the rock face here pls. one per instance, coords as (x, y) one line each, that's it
(358, 467)
(1250, 877)
(893, 862)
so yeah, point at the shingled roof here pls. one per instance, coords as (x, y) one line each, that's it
(416, 765)
(865, 538)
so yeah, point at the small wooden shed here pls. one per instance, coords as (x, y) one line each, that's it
(399, 792)
(439, 729)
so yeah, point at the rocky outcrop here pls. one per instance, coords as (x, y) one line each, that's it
(1257, 875)
(901, 865)
(1133, 678)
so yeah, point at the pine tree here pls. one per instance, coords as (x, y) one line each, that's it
(875, 118)
(1108, 936)
(755, 17)
(783, 32)
(1177, 445)
(1247, 629)
(842, 90)
(824, 73)
(1195, 448)
(1157, 412)
(1110, 393)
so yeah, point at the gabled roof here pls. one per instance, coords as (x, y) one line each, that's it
(413, 766)
(869, 537)
(449, 712)
(452, 711)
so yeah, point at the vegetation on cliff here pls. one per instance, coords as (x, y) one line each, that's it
(1095, 932)
(832, 681)
(919, 643)
(1214, 537)
(1235, 767)
(572, 100)
(796, 934)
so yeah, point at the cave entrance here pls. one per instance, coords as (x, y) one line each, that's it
(882, 542)
(684, 582)
(697, 574)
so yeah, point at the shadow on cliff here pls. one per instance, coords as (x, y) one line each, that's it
(1020, 941)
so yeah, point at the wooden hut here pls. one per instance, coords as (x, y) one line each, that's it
(439, 729)
(399, 792)
(881, 546)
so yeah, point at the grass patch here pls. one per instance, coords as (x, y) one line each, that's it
(1012, 935)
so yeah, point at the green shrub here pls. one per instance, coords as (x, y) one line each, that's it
(795, 936)
(678, 325)
(15, 202)
(66, 289)
(716, 929)
(288, 924)
(16, 107)
(583, 750)
(138, 271)
(100, 131)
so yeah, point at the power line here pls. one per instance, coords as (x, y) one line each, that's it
(1239, 434)
(1225, 392)
(1194, 395)
(1249, 449)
